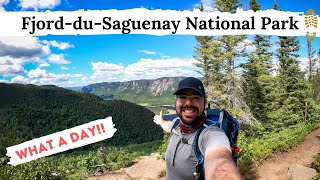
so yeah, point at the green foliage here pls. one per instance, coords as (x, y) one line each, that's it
(163, 147)
(316, 163)
(162, 173)
(258, 144)
(79, 165)
(29, 111)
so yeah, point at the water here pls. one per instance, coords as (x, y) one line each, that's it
(169, 116)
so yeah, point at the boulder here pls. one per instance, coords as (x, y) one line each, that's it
(299, 172)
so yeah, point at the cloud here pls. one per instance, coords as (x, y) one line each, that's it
(22, 47)
(59, 45)
(143, 69)
(4, 81)
(303, 63)
(147, 52)
(20, 79)
(10, 66)
(40, 76)
(64, 68)
(207, 5)
(58, 59)
(39, 4)
(104, 71)
(37, 73)
(2, 3)
(150, 69)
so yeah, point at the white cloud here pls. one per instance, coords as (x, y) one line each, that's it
(22, 47)
(39, 4)
(144, 69)
(58, 59)
(20, 79)
(3, 81)
(2, 3)
(104, 71)
(64, 68)
(304, 63)
(150, 69)
(44, 64)
(10, 66)
(104, 66)
(37, 73)
(207, 5)
(42, 77)
(59, 45)
(147, 52)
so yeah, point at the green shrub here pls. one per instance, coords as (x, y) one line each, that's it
(257, 149)
(79, 165)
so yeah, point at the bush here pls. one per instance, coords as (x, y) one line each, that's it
(257, 149)
(79, 165)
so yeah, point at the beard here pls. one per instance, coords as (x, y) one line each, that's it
(195, 120)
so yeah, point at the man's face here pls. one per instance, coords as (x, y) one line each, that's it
(189, 105)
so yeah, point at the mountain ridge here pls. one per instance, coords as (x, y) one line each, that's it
(146, 91)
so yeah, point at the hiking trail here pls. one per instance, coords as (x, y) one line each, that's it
(274, 167)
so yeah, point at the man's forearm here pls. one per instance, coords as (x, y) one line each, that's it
(165, 125)
(219, 165)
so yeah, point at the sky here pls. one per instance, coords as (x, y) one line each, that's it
(70, 61)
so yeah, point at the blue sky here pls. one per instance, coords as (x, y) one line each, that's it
(81, 60)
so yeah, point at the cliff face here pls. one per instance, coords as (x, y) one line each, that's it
(140, 91)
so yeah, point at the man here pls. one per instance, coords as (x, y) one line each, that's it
(213, 143)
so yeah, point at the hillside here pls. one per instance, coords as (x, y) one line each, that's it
(29, 111)
(156, 92)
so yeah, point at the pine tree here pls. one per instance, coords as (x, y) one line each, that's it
(311, 61)
(289, 96)
(227, 90)
(256, 73)
(202, 54)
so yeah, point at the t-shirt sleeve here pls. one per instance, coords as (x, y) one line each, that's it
(212, 137)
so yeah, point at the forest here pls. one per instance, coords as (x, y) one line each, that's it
(30, 111)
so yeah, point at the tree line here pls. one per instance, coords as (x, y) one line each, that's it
(264, 85)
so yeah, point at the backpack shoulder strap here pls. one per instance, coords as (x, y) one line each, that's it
(175, 124)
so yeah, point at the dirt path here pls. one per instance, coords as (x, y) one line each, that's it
(276, 166)
(145, 167)
(273, 168)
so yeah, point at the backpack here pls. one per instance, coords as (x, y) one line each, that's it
(223, 120)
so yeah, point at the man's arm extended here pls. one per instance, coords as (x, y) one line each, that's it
(165, 125)
(218, 164)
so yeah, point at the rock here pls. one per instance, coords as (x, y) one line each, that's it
(4, 161)
(299, 172)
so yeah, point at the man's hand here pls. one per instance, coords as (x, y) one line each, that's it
(165, 125)
(158, 119)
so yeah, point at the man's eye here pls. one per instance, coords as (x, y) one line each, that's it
(183, 97)
(197, 98)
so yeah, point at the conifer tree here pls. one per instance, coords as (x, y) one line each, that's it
(227, 90)
(202, 54)
(289, 96)
(256, 73)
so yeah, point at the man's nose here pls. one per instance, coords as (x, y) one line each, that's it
(189, 100)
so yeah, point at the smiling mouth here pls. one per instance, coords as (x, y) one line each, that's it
(189, 111)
